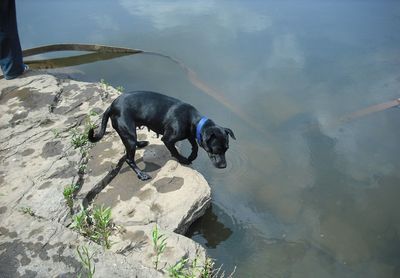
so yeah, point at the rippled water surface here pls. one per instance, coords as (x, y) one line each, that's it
(304, 195)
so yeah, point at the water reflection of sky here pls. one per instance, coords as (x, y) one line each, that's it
(307, 198)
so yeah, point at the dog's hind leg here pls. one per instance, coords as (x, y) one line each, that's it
(129, 138)
(141, 144)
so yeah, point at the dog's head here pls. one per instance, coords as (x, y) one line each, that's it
(215, 141)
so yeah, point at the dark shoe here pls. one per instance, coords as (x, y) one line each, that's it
(26, 68)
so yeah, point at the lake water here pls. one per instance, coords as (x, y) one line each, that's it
(301, 197)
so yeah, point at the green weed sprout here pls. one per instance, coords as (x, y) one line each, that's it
(102, 225)
(27, 210)
(186, 269)
(80, 222)
(96, 226)
(104, 84)
(86, 261)
(159, 244)
(178, 270)
(69, 195)
(120, 89)
(80, 140)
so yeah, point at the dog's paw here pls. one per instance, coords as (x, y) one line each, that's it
(184, 161)
(142, 144)
(143, 176)
(191, 158)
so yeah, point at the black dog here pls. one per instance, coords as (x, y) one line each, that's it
(172, 118)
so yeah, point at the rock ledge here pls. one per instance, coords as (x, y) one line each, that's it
(39, 113)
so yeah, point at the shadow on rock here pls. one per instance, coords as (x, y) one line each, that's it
(125, 184)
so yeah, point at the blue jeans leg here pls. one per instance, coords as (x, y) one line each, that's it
(10, 48)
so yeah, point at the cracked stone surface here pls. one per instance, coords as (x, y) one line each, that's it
(37, 160)
(35, 247)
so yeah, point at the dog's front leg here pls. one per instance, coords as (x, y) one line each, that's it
(174, 152)
(170, 144)
(195, 149)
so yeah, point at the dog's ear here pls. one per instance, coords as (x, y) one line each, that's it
(230, 132)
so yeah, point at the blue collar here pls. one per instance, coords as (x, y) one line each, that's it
(199, 126)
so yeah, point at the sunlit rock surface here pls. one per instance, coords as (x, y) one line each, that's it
(38, 114)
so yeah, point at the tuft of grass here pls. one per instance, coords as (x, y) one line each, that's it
(97, 225)
(27, 210)
(69, 195)
(93, 113)
(56, 132)
(80, 139)
(86, 261)
(81, 222)
(207, 269)
(159, 244)
(102, 225)
(185, 268)
(104, 84)
(82, 169)
(120, 89)
(178, 270)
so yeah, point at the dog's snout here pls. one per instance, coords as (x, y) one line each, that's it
(219, 161)
(222, 165)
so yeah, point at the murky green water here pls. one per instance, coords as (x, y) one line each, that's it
(300, 197)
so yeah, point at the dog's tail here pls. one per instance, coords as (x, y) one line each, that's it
(95, 138)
